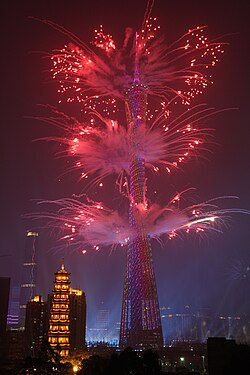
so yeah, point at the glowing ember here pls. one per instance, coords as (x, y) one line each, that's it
(160, 134)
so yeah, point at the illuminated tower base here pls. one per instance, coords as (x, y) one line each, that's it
(140, 323)
(140, 320)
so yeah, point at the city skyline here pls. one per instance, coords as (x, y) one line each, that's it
(183, 324)
(213, 261)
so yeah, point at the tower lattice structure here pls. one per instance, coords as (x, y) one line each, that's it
(59, 331)
(140, 320)
(28, 275)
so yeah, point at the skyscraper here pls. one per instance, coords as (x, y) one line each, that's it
(36, 325)
(59, 333)
(14, 307)
(28, 275)
(77, 316)
(4, 292)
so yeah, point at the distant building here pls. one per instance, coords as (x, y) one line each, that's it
(4, 293)
(77, 316)
(230, 327)
(36, 325)
(28, 275)
(58, 335)
(102, 321)
(101, 330)
(178, 326)
(13, 311)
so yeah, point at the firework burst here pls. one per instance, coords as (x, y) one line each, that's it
(86, 224)
(97, 76)
(102, 146)
(148, 83)
(183, 68)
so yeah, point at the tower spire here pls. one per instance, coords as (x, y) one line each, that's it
(136, 69)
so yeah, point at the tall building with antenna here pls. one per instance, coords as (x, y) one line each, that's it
(28, 275)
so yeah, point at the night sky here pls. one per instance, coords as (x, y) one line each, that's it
(208, 271)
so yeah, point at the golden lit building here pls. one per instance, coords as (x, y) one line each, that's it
(59, 332)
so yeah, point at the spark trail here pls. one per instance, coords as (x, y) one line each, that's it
(151, 86)
(83, 223)
(100, 77)
(102, 146)
(183, 68)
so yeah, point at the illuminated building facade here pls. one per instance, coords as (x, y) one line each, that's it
(13, 312)
(28, 276)
(59, 322)
(77, 318)
(36, 325)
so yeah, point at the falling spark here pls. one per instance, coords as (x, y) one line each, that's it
(101, 77)
(103, 146)
(182, 68)
(87, 223)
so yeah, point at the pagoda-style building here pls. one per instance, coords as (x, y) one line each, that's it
(59, 331)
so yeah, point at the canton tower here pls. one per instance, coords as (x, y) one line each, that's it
(140, 319)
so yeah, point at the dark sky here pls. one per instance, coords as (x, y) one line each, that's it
(195, 271)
